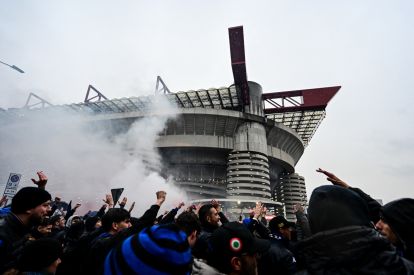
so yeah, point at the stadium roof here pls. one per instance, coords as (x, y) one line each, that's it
(301, 110)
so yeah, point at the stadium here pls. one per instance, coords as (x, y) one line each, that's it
(235, 144)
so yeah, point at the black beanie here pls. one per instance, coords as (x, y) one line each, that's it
(28, 198)
(332, 207)
(399, 215)
(39, 254)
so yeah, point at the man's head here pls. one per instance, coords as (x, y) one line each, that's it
(57, 221)
(233, 249)
(282, 226)
(397, 221)
(115, 220)
(73, 220)
(32, 204)
(332, 207)
(92, 223)
(209, 216)
(190, 224)
(41, 256)
(45, 227)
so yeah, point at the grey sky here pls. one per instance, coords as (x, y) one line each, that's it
(120, 47)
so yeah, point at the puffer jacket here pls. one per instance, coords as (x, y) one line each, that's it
(350, 250)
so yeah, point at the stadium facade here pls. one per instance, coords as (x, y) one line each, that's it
(235, 144)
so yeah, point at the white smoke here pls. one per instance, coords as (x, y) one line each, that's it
(82, 163)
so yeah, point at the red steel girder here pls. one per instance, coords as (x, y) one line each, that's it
(238, 61)
(313, 99)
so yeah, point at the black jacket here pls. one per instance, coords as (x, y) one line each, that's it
(277, 260)
(100, 247)
(350, 250)
(200, 249)
(12, 233)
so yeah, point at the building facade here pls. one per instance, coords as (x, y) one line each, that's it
(290, 190)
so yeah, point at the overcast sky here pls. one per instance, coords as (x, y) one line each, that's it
(121, 46)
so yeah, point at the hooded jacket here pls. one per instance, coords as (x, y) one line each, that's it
(350, 250)
(399, 215)
(344, 241)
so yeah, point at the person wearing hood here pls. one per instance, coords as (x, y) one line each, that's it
(397, 225)
(344, 240)
(72, 220)
(395, 220)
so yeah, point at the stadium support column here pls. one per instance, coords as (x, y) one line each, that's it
(291, 190)
(248, 164)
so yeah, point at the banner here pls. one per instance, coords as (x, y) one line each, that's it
(11, 186)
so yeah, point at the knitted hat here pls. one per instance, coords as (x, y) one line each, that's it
(332, 207)
(399, 215)
(28, 198)
(160, 249)
(39, 254)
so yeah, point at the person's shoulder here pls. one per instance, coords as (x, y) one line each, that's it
(200, 267)
(6, 228)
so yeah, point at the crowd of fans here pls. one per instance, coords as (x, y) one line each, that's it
(343, 231)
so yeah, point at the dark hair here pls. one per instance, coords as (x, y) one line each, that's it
(204, 212)
(188, 222)
(114, 215)
(75, 231)
(55, 219)
(90, 223)
(39, 254)
(45, 221)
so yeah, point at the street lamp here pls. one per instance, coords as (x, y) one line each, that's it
(13, 67)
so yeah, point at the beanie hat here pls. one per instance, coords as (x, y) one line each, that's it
(160, 249)
(39, 254)
(28, 198)
(399, 215)
(332, 207)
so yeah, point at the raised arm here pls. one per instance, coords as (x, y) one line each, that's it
(42, 181)
(373, 206)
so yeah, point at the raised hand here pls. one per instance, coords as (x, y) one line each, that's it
(131, 207)
(298, 208)
(123, 202)
(258, 210)
(198, 206)
(41, 183)
(264, 211)
(332, 178)
(3, 201)
(181, 204)
(109, 200)
(161, 197)
(216, 205)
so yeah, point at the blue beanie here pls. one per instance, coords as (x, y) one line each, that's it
(160, 249)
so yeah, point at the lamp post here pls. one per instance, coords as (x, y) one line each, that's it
(13, 67)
